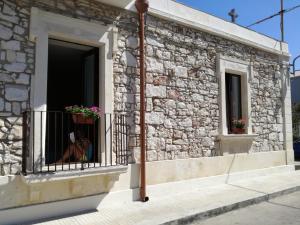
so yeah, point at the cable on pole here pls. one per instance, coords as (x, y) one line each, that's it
(274, 15)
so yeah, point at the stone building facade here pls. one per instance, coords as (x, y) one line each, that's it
(182, 85)
(183, 104)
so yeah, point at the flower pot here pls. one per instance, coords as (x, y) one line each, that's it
(236, 130)
(79, 118)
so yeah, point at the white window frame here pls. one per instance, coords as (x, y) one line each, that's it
(45, 25)
(225, 65)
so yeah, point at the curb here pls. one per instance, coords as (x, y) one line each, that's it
(227, 208)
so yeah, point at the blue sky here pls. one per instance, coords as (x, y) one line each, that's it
(250, 11)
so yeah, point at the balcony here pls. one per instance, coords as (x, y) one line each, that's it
(54, 141)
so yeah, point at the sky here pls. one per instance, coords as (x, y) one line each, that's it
(250, 11)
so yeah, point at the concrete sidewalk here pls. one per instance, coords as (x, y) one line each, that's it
(195, 201)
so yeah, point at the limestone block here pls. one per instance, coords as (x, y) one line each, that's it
(5, 77)
(180, 71)
(150, 131)
(197, 98)
(171, 148)
(17, 145)
(8, 10)
(156, 143)
(15, 67)
(152, 41)
(127, 59)
(16, 108)
(180, 142)
(155, 118)
(186, 122)
(169, 124)
(23, 79)
(151, 155)
(4, 129)
(156, 91)
(11, 56)
(19, 30)
(2, 136)
(207, 142)
(170, 104)
(201, 132)
(5, 33)
(11, 45)
(21, 57)
(12, 19)
(181, 105)
(2, 124)
(180, 83)
(155, 66)
(273, 136)
(16, 93)
(132, 42)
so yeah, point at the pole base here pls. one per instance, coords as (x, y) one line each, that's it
(146, 199)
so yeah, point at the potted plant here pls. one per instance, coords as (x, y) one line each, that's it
(84, 115)
(238, 126)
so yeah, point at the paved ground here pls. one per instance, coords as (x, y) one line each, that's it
(278, 211)
(185, 201)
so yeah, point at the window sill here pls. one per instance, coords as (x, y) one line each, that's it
(63, 175)
(237, 136)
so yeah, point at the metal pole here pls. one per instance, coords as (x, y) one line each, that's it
(282, 21)
(142, 8)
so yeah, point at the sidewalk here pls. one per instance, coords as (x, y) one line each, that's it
(194, 202)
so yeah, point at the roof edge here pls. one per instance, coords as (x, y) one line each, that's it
(182, 14)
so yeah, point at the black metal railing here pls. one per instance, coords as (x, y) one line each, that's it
(54, 141)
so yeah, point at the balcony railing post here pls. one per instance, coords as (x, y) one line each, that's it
(24, 144)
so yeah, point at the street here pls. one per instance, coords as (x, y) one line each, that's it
(279, 211)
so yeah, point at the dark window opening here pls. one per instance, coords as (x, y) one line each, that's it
(233, 99)
(72, 80)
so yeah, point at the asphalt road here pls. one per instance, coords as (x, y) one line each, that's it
(284, 210)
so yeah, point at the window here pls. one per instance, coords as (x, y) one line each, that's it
(233, 99)
(235, 94)
(46, 29)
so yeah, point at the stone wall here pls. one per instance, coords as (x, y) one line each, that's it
(16, 68)
(182, 92)
(182, 86)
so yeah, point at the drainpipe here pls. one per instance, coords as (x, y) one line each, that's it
(142, 7)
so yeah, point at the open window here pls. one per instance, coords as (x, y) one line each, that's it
(73, 66)
(72, 80)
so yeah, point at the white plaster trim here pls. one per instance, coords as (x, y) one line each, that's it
(237, 136)
(235, 66)
(44, 25)
(63, 175)
(124, 4)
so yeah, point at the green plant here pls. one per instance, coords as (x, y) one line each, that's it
(90, 112)
(239, 123)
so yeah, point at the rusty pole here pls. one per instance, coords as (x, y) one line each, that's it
(142, 7)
